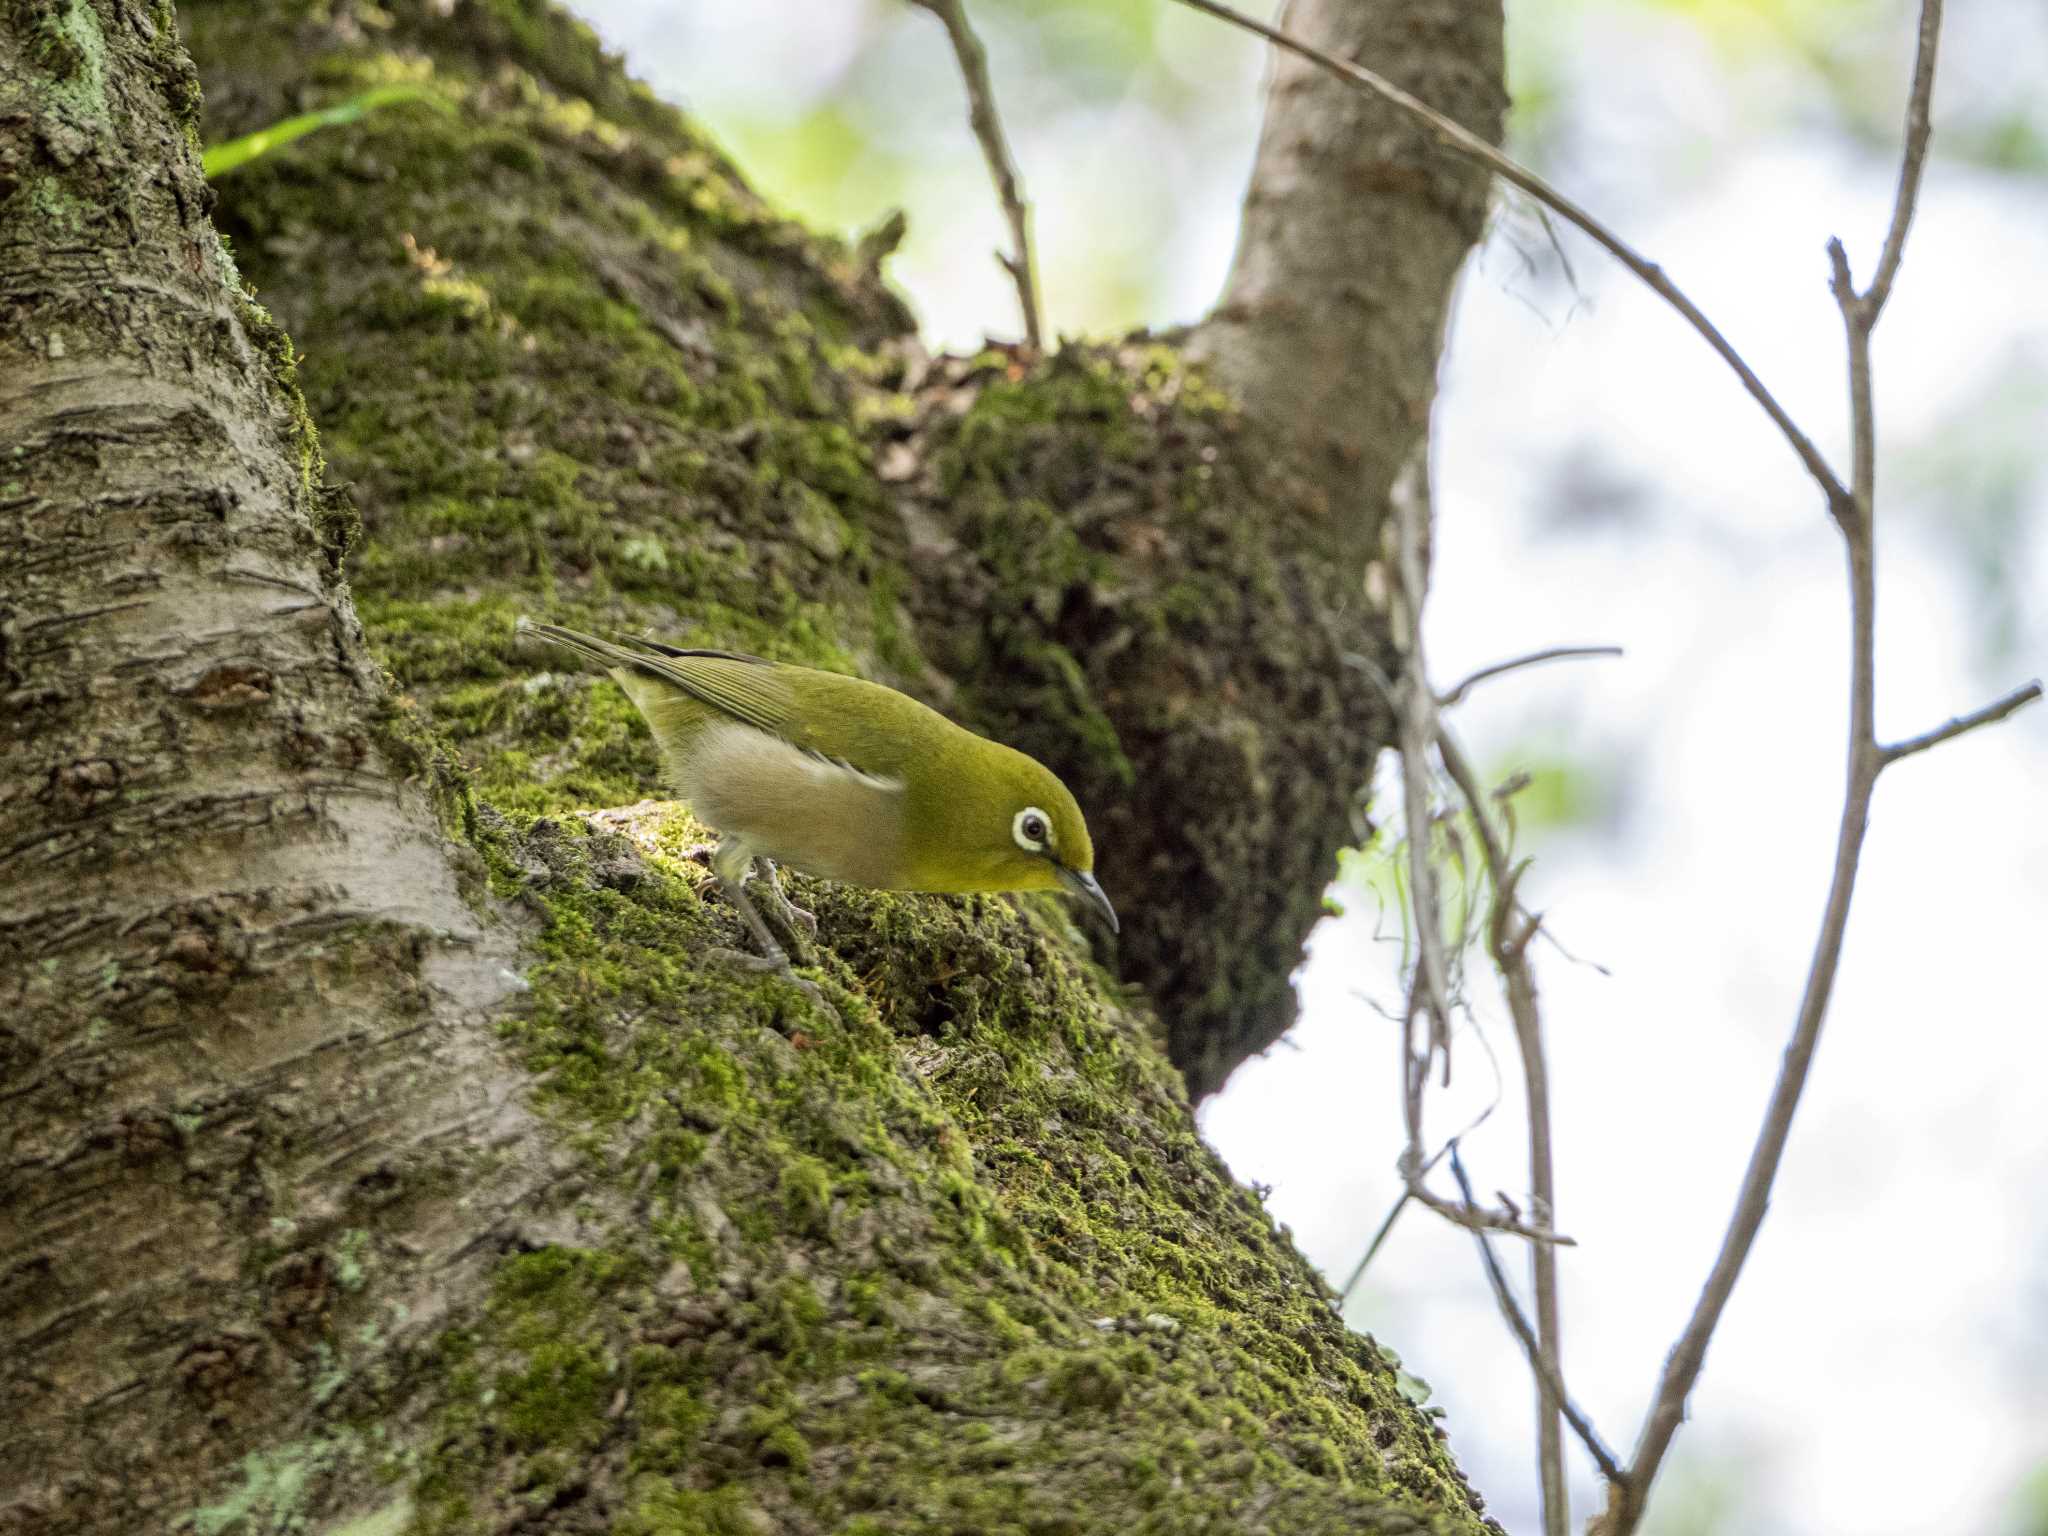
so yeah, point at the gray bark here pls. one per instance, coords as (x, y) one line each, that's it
(240, 993)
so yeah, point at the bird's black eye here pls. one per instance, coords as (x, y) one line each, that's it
(1031, 830)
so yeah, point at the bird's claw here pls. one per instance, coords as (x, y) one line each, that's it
(793, 916)
(776, 964)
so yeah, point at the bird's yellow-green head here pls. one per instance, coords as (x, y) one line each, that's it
(985, 817)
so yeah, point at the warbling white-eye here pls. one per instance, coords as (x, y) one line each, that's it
(844, 779)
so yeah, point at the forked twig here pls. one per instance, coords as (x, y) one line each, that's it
(1548, 1376)
(1002, 166)
(1462, 141)
(1423, 731)
(1866, 760)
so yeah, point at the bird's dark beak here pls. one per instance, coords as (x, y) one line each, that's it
(1083, 885)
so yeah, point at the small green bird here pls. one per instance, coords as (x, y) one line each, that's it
(845, 779)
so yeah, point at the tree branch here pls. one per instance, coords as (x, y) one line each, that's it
(988, 128)
(1852, 507)
(1417, 711)
(1548, 1377)
(1509, 947)
(1856, 326)
(1534, 658)
(1423, 729)
(1919, 128)
(1990, 714)
(1462, 141)
(1866, 759)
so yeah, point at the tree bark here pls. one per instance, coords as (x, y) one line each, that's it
(291, 1235)
(1354, 229)
(240, 999)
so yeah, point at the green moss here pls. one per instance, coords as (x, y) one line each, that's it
(1110, 1272)
(890, 1261)
(665, 1510)
(351, 1270)
(662, 501)
(807, 1196)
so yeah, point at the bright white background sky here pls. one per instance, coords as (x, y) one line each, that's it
(1884, 1367)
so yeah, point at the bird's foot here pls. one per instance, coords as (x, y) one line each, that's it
(776, 964)
(793, 916)
(802, 918)
(733, 875)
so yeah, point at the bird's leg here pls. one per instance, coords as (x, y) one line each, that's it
(792, 915)
(732, 863)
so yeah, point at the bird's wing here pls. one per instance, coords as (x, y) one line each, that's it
(744, 687)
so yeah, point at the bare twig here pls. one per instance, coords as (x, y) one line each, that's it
(1417, 707)
(1480, 1218)
(1509, 932)
(1534, 658)
(1866, 759)
(1463, 141)
(1423, 730)
(1549, 1378)
(1990, 714)
(1393, 1215)
(1372, 1248)
(988, 128)
(1862, 415)
(1919, 127)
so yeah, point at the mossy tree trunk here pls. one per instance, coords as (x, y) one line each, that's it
(380, 1148)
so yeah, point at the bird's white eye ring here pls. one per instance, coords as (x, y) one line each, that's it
(1032, 829)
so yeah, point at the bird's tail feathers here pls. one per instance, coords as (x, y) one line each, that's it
(624, 650)
(603, 652)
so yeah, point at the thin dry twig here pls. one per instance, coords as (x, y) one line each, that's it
(1866, 760)
(1549, 1378)
(1417, 708)
(1379, 1239)
(1534, 658)
(1480, 1218)
(1002, 166)
(1423, 730)
(1386, 1226)
(1990, 714)
(1462, 141)
(1919, 128)
(1509, 931)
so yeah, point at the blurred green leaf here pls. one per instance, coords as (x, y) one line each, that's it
(1559, 791)
(2030, 1507)
(221, 159)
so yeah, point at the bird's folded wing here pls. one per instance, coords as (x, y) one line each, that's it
(750, 691)
(744, 687)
